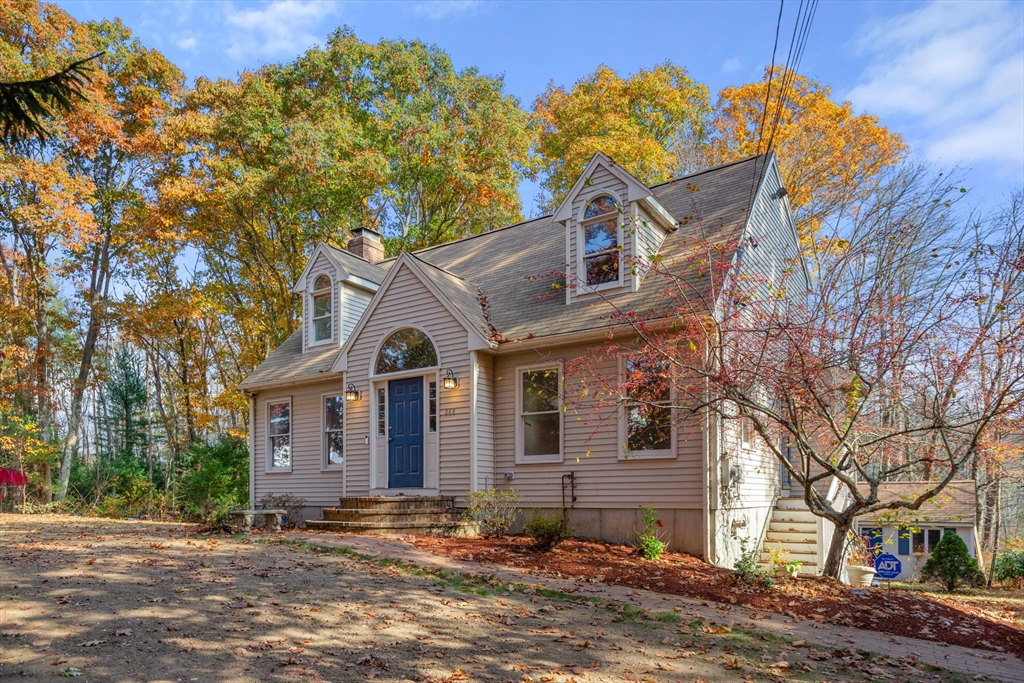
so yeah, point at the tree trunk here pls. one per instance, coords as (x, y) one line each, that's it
(97, 301)
(837, 549)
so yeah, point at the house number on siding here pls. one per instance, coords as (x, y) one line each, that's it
(448, 411)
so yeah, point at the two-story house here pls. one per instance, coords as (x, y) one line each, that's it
(443, 371)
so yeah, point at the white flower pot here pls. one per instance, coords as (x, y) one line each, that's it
(860, 576)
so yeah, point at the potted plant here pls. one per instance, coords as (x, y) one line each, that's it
(860, 562)
(785, 568)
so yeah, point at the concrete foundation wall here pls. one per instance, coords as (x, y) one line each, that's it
(683, 530)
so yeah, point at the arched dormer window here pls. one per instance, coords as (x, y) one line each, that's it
(600, 231)
(323, 309)
(406, 349)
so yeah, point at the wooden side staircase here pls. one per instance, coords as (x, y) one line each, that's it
(793, 529)
(395, 515)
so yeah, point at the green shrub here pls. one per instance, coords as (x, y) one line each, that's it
(547, 532)
(748, 568)
(648, 545)
(951, 564)
(1010, 566)
(214, 479)
(493, 510)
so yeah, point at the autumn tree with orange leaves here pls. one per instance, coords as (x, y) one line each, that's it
(830, 156)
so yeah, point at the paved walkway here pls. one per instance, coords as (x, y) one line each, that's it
(997, 666)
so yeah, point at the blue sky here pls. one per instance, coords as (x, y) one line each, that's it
(949, 76)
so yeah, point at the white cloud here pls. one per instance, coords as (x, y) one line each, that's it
(280, 28)
(732, 65)
(445, 9)
(955, 71)
(188, 43)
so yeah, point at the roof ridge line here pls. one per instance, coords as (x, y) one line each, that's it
(709, 170)
(435, 267)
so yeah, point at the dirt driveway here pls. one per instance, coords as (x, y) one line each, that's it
(102, 600)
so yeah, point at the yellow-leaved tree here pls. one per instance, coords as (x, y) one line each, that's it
(829, 155)
(641, 122)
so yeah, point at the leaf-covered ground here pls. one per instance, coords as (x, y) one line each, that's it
(101, 600)
(989, 621)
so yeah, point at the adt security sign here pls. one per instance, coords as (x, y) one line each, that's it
(887, 566)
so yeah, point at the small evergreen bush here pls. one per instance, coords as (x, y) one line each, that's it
(547, 532)
(648, 545)
(493, 510)
(951, 564)
(748, 568)
(1010, 566)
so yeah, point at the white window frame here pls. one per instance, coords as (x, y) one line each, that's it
(312, 311)
(269, 460)
(581, 255)
(522, 459)
(660, 454)
(325, 464)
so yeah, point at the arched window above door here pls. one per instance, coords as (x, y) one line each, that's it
(406, 349)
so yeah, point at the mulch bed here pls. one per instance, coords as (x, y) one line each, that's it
(898, 612)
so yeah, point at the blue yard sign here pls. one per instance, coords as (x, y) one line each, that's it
(887, 566)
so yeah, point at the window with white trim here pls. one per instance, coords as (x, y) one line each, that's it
(600, 231)
(323, 309)
(539, 408)
(382, 411)
(647, 408)
(279, 435)
(334, 433)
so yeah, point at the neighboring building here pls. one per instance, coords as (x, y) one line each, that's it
(911, 535)
(453, 361)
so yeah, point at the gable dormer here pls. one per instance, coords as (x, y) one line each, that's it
(613, 227)
(334, 296)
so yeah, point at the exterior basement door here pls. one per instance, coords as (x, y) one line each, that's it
(405, 433)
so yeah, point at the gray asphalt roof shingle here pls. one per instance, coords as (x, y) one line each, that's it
(358, 266)
(288, 363)
(955, 504)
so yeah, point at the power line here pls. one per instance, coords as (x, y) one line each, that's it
(801, 31)
(771, 73)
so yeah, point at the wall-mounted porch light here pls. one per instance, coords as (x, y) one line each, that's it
(351, 393)
(450, 381)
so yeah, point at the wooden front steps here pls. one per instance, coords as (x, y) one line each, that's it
(395, 515)
(793, 529)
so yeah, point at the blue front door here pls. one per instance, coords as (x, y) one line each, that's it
(405, 433)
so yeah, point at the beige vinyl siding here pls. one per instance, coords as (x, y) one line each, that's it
(485, 421)
(648, 236)
(408, 301)
(603, 479)
(306, 479)
(600, 179)
(321, 265)
(354, 302)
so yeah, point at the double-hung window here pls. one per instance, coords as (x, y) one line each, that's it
(334, 433)
(647, 408)
(279, 435)
(539, 414)
(600, 231)
(323, 310)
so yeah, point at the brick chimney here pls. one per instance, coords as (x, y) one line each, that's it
(366, 244)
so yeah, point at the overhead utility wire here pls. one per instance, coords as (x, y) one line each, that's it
(771, 73)
(793, 67)
(764, 112)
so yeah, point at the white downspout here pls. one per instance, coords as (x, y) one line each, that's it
(473, 381)
(252, 450)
